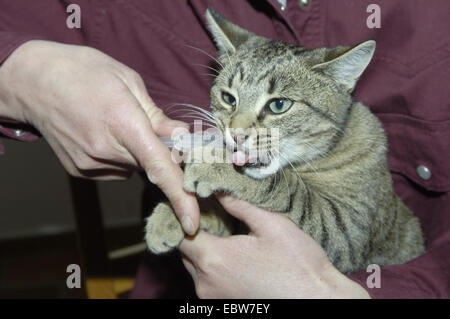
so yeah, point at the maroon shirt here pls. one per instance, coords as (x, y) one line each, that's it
(406, 86)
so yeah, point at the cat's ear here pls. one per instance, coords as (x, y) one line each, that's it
(227, 35)
(348, 67)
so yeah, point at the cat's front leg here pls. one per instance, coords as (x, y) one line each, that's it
(208, 171)
(271, 193)
(204, 179)
(164, 232)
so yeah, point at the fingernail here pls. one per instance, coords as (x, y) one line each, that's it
(152, 178)
(188, 226)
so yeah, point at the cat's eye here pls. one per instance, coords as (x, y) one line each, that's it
(278, 106)
(229, 99)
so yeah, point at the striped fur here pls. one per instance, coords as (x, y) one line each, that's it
(333, 181)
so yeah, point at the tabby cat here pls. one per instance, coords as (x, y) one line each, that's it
(330, 175)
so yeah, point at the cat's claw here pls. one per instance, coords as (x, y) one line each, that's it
(196, 180)
(202, 188)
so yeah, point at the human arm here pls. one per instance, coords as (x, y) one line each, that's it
(96, 115)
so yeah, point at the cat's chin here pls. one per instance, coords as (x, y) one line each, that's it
(262, 172)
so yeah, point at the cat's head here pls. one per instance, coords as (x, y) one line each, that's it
(263, 84)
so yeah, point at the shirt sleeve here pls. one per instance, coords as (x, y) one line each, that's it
(427, 276)
(22, 21)
(9, 41)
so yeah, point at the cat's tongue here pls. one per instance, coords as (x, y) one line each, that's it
(240, 158)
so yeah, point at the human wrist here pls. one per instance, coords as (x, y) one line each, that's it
(18, 75)
(11, 109)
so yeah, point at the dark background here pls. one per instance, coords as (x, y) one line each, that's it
(38, 227)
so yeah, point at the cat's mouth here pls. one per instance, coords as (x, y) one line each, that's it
(248, 160)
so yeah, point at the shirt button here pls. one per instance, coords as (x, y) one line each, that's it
(19, 133)
(424, 172)
(304, 3)
(282, 4)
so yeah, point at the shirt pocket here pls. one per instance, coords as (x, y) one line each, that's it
(414, 35)
(415, 143)
(175, 19)
(165, 43)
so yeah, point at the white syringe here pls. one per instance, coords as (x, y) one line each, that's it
(187, 141)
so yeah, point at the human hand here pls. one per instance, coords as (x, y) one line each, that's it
(96, 115)
(276, 260)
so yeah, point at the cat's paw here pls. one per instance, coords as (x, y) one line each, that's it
(163, 231)
(201, 179)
